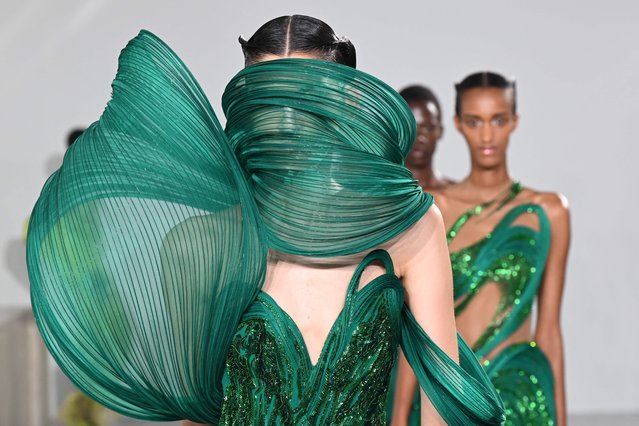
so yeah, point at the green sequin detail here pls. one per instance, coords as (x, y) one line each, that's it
(523, 377)
(270, 379)
(513, 257)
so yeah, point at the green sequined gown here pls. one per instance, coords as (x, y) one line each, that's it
(147, 249)
(512, 256)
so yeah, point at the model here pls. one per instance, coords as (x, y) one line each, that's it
(428, 117)
(509, 247)
(252, 275)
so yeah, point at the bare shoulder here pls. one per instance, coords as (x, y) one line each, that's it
(417, 238)
(442, 196)
(554, 204)
(436, 192)
(431, 222)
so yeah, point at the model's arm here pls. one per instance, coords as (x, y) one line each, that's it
(405, 386)
(424, 266)
(548, 330)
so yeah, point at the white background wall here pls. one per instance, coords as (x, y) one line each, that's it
(576, 63)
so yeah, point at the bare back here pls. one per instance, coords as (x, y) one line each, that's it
(313, 295)
(312, 291)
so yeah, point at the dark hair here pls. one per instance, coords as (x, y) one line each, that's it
(485, 79)
(418, 93)
(73, 135)
(297, 33)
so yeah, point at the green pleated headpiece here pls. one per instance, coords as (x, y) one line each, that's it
(323, 145)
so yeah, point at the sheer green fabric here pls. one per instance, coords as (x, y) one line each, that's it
(324, 147)
(146, 246)
(149, 244)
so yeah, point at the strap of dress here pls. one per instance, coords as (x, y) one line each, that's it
(378, 255)
(514, 189)
(462, 393)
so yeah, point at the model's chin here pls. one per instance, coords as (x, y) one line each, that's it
(488, 162)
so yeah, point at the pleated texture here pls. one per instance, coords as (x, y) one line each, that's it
(461, 393)
(523, 377)
(150, 242)
(324, 145)
(145, 247)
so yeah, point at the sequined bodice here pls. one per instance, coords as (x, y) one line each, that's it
(270, 378)
(513, 257)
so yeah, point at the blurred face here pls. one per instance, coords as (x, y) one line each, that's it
(429, 130)
(486, 121)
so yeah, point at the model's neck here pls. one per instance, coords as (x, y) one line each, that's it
(481, 178)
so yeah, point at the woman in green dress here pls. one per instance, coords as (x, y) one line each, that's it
(509, 247)
(251, 275)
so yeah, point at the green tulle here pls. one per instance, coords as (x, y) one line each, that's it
(150, 242)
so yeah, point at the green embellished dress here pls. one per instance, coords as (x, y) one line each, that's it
(147, 249)
(513, 257)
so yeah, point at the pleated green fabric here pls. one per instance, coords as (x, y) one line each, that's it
(323, 145)
(146, 246)
(149, 244)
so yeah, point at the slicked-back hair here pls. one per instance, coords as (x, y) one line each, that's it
(417, 93)
(485, 80)
(298, 34)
